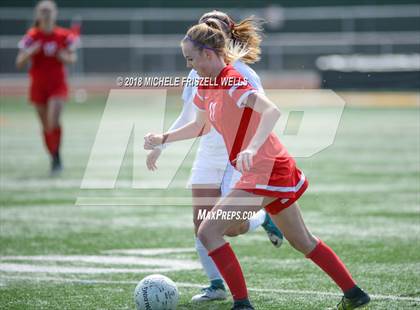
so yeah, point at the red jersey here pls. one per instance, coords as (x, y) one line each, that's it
(274, 171)
(45, 64)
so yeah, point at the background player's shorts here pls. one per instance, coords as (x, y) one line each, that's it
(205, 176)
(286, 191)
(230, 178)
(223, 178)
(42, 92)
(208, 168)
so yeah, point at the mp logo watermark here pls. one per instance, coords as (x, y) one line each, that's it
(308, 124)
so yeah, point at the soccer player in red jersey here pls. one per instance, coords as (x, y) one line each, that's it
(212, 175)
(270, 178)
(48, 48)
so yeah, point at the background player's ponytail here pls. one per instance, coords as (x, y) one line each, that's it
(244, 37)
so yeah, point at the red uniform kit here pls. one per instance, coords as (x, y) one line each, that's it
(274, 172)
(47, 72)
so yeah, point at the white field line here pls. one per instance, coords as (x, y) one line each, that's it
(151, 264)
(173, 201)
(150, 252)
(112, 260)
(154, 265)
(195, 285)
(36, 184)
(8, 184)
(5, 267)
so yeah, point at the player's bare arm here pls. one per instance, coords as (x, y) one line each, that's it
(25, 54)
(269, 116)
(200, 126)
(67, 56)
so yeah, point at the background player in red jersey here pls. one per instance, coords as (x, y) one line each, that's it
(270, 178)
(48, 48)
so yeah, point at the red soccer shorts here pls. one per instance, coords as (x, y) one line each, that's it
(41, 91)
(286, 190)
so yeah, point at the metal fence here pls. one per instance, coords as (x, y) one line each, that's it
(147, 40)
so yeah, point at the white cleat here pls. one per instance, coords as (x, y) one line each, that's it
(274, 234)
(275, 240)
(209, 294)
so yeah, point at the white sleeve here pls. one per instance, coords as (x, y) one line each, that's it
(188, 112)
(25, 42)
(187, 115)
(250, 75)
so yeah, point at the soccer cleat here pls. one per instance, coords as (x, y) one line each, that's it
(56, 166)
(274, 234)
(361, 300)
(209, 294)
(242, 305)
(243, 308)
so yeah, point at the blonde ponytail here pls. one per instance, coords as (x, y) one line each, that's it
(244, 37)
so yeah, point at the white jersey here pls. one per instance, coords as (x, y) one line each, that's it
(212, 151)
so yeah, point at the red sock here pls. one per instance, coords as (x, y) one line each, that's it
(328, 261)
(56, 140)
(48, 139)
(52, 140)
(230, 269)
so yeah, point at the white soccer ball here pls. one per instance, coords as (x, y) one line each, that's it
(156, 292)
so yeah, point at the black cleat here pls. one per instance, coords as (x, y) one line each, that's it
(242, 305)
(56, 166)
(243, 308)
(359, 300)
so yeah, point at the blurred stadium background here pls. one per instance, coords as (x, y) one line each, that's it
(364, 193)
(142, 37)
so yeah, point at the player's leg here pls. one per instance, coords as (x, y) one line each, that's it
(261, 218)
(230, 177)
(39, 99)
(204, 197)
(212, 229)
(211, 234)
(54, 110)
(291, 222)
(42, 113)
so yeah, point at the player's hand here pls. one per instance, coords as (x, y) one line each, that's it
(151, 140)
(33, 48)
(152, 158)
(66, 56)
(244, 160)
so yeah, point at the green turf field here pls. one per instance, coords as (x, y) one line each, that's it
(363, 201)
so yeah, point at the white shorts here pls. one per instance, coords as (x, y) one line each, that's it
(208, 167)
(230, 178)
(212, 166)
(225, 179)
(206, 176)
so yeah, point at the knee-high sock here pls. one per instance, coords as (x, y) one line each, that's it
(328, 261)
(229, 267)
(206, 261)
(52, 140)
(48, 141)
(257, 220)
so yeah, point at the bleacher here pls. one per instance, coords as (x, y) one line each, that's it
(146, 40)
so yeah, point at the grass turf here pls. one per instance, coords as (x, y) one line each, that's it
(363, 201)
